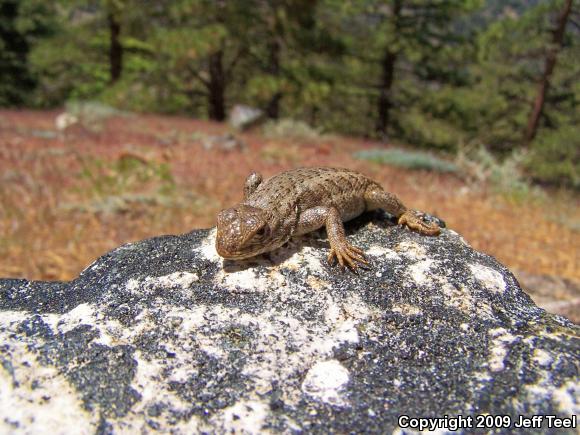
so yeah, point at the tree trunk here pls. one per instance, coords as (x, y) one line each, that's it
(217, 87)
(549, 64)
(273, 107)
(385, 103)
(115, 48)
(387, 77)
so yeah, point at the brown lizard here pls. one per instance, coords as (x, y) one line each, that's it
(302, 200)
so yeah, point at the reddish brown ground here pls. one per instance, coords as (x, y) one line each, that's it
(49, 187)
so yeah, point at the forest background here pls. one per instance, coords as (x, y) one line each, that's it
(457, 76)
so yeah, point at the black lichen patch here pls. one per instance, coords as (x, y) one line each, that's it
(101, 374)
(214, 385)
(6, 364)
(37, 296)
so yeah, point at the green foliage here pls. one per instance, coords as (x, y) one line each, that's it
(114, 187)
(437, 74)
(290, 129)
(124, 174)
(22, 24)
(504, 80)
(555, 156)
(91, 114)
(505, 176)
(423, 129)
(407, 159)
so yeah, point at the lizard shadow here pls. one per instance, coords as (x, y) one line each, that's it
(317, 240)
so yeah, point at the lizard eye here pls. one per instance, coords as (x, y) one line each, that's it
(263, 231)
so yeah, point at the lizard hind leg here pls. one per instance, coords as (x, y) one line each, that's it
(414, 220)
(377, 198)
(252, 182)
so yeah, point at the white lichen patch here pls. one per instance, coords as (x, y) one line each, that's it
(459, 236)
(542, 358)
(567, 398)
(326, 381)
(406, 309)
(344, 326)
(176, 279)
(207, 249)
(411, 250)
(499, 347)
(419, 272)
(459, 297)
(83, 314)
(344, 332)
(316, 283)
(146, 383)
(354, 308)
(305, 258)
(173, 281)
(489, 278)
(333, 311)
(133, 285)
(192, 324)
(382, 252)
(249, 280)
(245, 417)
(283, 347)
(37, 399)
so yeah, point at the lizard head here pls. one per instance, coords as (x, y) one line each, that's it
(242, 232)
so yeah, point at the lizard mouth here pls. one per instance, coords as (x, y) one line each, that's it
(236, 255)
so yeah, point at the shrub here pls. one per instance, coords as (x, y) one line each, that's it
(290, 128)
(555, 157)
(504, 176)
(91, 114)
(407, 159)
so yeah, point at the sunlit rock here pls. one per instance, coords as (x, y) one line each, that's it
(165, 335)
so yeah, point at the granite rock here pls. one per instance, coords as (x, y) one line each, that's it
(244, 117)
(164, 335)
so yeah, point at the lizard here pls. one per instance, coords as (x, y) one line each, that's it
(302, 200)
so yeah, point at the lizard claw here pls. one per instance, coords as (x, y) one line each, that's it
(414, 220)
(347, 255)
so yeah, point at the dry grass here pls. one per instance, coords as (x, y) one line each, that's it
(66, 199)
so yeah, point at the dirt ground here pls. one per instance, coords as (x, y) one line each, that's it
(68, 197)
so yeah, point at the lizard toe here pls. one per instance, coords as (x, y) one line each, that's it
(348, 256)
(335, 257)
(358, 255)
(414, 220)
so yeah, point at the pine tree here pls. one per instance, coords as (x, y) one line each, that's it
(398, 51)
(22, 23)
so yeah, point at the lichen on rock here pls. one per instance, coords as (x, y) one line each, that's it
(164, 335)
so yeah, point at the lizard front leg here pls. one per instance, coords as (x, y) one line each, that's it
(378, 198)
(252, 182)
(314, 218)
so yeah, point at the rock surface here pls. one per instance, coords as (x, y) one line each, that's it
(243, 117)
(163, 335)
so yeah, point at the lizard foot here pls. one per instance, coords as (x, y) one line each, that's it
(347, 255)
(414, 220)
